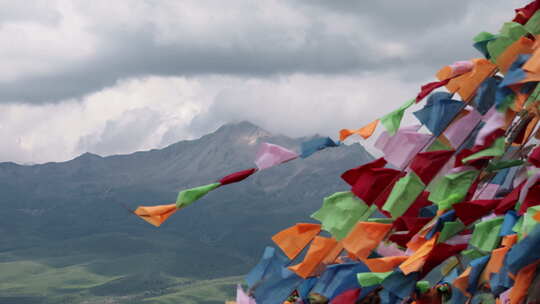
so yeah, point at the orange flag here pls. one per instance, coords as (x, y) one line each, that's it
(495, 262)
(509, 240)
(294, 239)
(533, 64)
(418, 259)
(365, 237)
(462, 282)
(523, 280)
(523, 45)
(536, 217)
(465, 85)
(333, 255)
(384, 264)
(156, 215)
(320, 248)
(366, 131)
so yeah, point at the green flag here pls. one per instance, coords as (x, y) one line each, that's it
(392, 120)
(496, 149)
(528, 221)
(449, 230)
(403, 194)
(503, 164)
(535, 95)
(340, 212)
(486, 234)
(473, 254)
(509, 33)
(187, 197)
(452, 188)
(484, 36)
(371, 278)
(533, 25)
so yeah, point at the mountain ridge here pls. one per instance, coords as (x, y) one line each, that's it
(73, 212)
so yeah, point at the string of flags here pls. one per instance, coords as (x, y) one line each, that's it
(268, 155)
(449, 214)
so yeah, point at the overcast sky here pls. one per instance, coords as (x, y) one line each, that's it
(120, 76)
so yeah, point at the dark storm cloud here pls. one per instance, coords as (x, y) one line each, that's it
(332, 37)
(138, 55)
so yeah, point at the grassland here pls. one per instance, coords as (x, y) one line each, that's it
(72, 271)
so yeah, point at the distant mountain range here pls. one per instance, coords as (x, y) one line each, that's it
(71, 213)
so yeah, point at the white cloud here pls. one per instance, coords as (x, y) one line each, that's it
(148, 113)
(121, 76)
(102, 122)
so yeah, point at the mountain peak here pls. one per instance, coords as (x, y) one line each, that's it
(87, 156)
(243, 125)
(242, 132)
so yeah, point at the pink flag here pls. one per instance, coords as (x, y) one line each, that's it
(458, 131)
(505, 296)
(461, 67)
(486, 192)
(388, 250)
(400, 148)
(459, 239)
(242, 297)
(270, 155)
(494, 120)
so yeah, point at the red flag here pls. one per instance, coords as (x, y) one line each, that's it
(237, 176)
(429, 87)
(525, 13)
(352, 175)
(372, 182)
(468, 212)
(347, 297)
(534, 157)
(509, 201)
(531, 199)
(427, 164)
(439, 254)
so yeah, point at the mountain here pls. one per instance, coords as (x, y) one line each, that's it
(67, 235)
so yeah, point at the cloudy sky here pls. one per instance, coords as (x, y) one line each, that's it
(119, 76)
